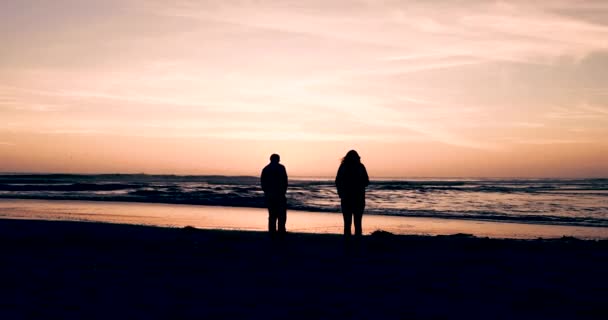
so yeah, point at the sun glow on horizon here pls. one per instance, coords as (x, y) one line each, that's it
(466, 89)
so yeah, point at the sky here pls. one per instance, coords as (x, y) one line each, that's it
(461, 88)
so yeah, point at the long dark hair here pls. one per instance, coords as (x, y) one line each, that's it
(351, 157)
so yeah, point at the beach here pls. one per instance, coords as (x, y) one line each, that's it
(83, 270)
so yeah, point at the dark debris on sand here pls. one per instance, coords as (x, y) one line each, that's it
(72, 270)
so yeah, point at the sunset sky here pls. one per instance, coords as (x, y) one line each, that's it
(419, 88)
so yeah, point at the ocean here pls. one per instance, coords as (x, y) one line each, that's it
(582, 202)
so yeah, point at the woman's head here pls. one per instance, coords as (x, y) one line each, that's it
(351, 157)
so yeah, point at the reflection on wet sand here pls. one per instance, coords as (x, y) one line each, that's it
(207, 217)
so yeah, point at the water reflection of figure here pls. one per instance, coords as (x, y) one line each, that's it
(274, 184)
(351, 181)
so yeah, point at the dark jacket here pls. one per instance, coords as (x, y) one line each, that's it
(274, 180)
(351, 180)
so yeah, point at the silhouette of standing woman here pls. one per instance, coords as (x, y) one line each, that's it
(351, 181)
(274, 184)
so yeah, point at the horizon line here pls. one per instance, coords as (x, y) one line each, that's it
(301, 177)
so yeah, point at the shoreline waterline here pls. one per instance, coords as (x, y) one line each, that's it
(255, 219)
(540, 201)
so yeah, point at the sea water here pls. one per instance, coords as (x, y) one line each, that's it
(582, 202)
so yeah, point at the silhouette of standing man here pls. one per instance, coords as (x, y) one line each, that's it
(351, 181)
(274, 184)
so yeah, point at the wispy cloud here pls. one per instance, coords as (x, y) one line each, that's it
(596, 109)
(547, 141)
(490, 30)
(579, 112)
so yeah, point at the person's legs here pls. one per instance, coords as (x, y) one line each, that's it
(358, 228)
(282, 215)
(347, 215)
(348, 218)
(272, 219)
(358, 216)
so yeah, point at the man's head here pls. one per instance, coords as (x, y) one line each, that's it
(275, 158)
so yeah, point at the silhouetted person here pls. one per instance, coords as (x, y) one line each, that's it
(351, 181)
(274, 184)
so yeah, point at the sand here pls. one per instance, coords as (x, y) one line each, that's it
(77, 270)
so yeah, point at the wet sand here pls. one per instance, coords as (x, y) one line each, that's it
(77, 270)
(252, 219)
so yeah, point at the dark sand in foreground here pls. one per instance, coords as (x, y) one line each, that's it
(74, 270)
